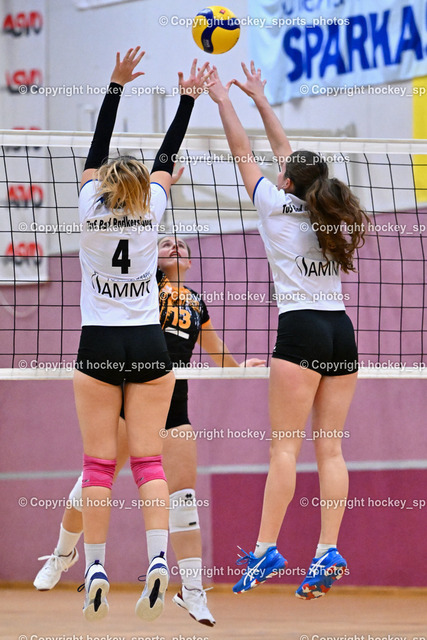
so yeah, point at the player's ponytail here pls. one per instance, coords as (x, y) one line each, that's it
(335, 213)
(338, 220)
(125, 186)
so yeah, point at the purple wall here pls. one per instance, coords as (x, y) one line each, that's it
(40, 434)
(386, 423)
(382, 545)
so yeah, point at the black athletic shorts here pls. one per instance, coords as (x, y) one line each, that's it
(178, 410)
(116, 354)
(319, 340)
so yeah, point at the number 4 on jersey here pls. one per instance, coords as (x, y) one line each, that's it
(121, 256)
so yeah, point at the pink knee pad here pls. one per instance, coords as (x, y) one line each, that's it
(147, 469)
(98, 472)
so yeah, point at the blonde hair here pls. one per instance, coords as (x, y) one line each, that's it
(125, 185)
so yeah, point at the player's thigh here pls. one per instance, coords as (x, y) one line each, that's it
(330, 410)
(146, 409)
(292, 390)
(98, 406)
(180, 458)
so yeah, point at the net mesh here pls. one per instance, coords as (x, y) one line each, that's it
(39, 238)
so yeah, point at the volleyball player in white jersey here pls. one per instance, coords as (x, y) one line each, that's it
(184, 319)
(121, 340)
(314, 363)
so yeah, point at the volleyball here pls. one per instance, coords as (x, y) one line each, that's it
(216, 29)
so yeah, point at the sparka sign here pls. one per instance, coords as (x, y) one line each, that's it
(307, 44)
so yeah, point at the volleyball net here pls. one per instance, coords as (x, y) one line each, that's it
(39, 240)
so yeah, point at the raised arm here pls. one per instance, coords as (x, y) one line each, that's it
(123, 73)
(237, 137)
(210, 342)
(254, 87)
(165, 158)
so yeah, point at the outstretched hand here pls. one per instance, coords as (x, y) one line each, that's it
(123, 71)
(254, 86)
(176, 176)
(216, 89)
(194, 86)
(253, 362)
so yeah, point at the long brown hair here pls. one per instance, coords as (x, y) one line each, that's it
(125, 186)
(340, 227)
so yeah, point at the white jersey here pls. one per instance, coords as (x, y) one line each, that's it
(303, 279)
(118, 258)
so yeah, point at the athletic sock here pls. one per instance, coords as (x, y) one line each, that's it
(157, 542)
(322, 549)
(94, 552)
(66, 542)
(190, 570)
(262, 547)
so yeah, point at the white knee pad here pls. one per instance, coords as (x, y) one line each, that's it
(183, 515)
(75, 497)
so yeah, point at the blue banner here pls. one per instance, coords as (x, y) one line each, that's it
(331, 47)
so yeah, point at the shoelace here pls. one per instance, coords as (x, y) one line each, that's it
(201, 592)
(57, 560)
(245, 559)
(251, 572)
(143, 578)
(82, 586)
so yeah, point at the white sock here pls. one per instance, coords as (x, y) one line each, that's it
(66, 542)
(94, 552)
(322, 549)
(157, 543)
(190, 570)
(262, 547)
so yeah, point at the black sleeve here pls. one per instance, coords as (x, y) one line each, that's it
(98, 152)
(164, 160)
(204, 315)
(159, 275)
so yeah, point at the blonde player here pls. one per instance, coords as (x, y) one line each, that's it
(185, 321)
(122, 340)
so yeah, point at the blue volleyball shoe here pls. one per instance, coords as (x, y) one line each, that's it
(321, 575)
(258, 569)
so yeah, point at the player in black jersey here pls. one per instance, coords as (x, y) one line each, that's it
(185, 321)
